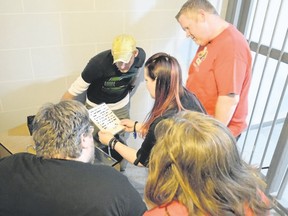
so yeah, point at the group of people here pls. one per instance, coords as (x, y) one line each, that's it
(189, 136)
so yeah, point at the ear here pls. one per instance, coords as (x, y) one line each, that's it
(201, 15)
(136, 52)
(84, 142)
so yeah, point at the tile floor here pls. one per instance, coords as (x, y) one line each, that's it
(137, 176)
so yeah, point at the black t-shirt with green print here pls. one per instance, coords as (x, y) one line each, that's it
(108, 84)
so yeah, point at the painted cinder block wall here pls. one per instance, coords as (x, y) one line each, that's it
(45, 44)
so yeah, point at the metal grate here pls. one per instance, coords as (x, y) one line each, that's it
(264, 143)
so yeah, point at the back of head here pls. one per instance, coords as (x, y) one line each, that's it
(191, 6)
(123, 47)
(167, 72)
(57, 129)
(165, 69)
(196, 161)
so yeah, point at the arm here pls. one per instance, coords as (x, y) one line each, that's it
(67, 96)
(225, 107)
(129, 125)
(125, 151)
(130, 154)
(78, 87)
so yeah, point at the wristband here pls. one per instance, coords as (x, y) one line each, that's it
(134, 130)
(110, 142)
(114, 143)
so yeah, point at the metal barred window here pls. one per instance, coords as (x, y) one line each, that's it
(265, 141)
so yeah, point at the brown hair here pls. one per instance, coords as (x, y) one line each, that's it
(196, 161)
(167, 71)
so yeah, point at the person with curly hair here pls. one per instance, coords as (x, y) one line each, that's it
(61, 178)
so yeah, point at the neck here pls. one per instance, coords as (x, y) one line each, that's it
(82, 158)
(218, 25)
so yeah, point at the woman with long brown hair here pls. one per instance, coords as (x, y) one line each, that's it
(163, 77)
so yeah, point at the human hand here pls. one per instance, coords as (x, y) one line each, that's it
(105, 137)
(128, 124)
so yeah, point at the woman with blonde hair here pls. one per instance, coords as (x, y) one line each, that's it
(195, 169)
(163, 77)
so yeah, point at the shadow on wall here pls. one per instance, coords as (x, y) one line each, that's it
(81, 97)
(26, 98)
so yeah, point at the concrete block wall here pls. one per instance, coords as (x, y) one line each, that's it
(44, 46)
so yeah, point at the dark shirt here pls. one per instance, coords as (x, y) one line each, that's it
(189, 102)
(34, 186)
(108, 84)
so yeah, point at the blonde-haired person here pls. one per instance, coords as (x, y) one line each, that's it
(195, 169)
(109, 77)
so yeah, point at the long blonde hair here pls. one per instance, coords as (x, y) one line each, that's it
(196, 161)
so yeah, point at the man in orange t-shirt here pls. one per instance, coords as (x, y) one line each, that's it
(220, 73)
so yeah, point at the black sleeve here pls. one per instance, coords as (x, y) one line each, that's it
(140, 59)
(134, 205)
(119, 196)
(191, 102)
(147, 145)
(94, 68)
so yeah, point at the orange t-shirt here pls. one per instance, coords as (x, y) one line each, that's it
(222, 67)
(249, 212)
(176, 209)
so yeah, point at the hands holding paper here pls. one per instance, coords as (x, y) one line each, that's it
(130, 124)
(128, 153)
(105, 136)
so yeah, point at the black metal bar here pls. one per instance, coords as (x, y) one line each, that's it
(274, 54)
